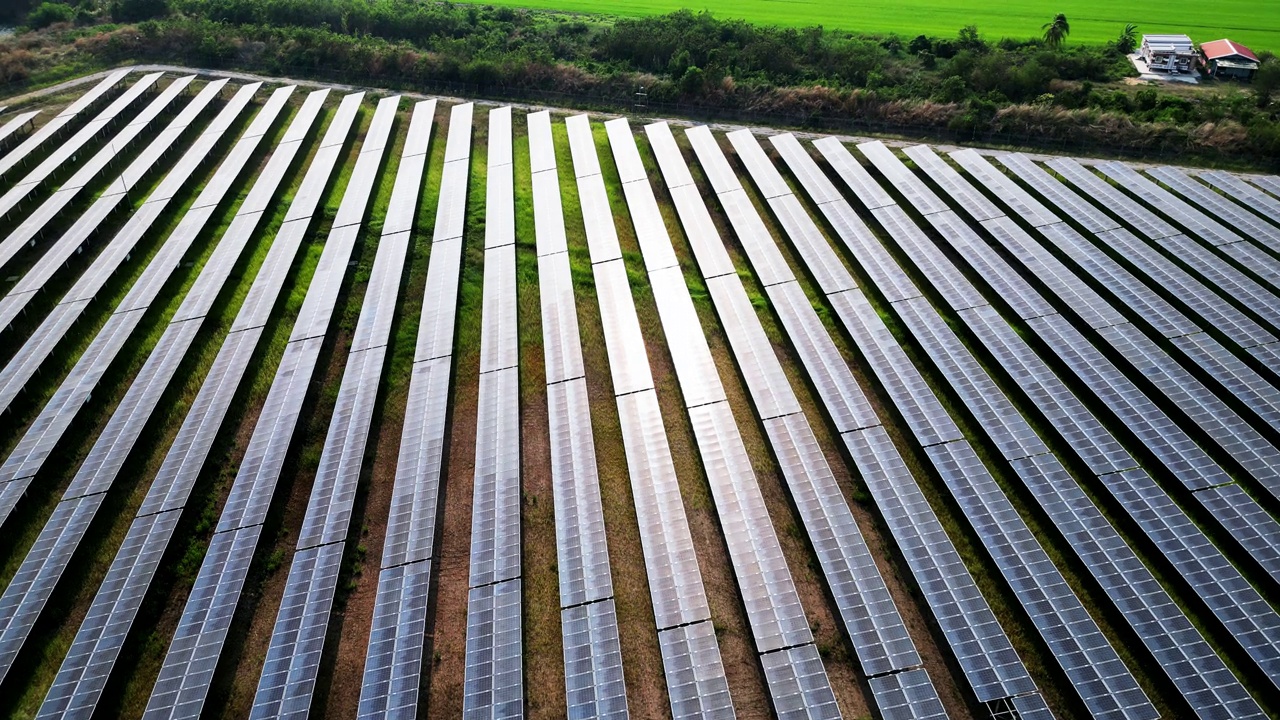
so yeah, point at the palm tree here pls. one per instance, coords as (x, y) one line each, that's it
(1128, 39)
(1057, 31)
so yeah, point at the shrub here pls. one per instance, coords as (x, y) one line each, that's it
(48, 13)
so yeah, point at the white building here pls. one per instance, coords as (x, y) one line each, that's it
(1168, 53)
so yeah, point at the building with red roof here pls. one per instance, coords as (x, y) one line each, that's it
(1228, 60)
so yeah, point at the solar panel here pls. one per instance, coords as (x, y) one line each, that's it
(495, 514)
(415, 496)
(192, 658)
(333, 491)
(975, 638)
(1182, 213)
(594, 685)
(846, 404)
(798, 684)
(1049, 188)
(548, 214)
(31, 586)
(458, 144)
(593, 662)
(767, 261)
(752, 350)
(945, 278)
(675, 582)
(1157, 432)
(16, 124)
(870, 617)
(625, 155)
(715, 166)
(582, 146)
(1250, 225)
(498, 331)
(695, 675)
(394, 663)
(1004, 281)
(1110, 197)
(33, 227)
(1196, 296)
(764, 581)
(1091, 307)
(853, 174)
(500, 222)
(580, 533)
(403, 205)
(826, 268)
(907, 694)
(1225, 278)
(561, 349)
(690, 353)
(494, 685)
(674, 170)
(1092, 666)
(965, 195)
(1248, 524)
(67, 116)
(1270, 183)
(767, 179)
(87, 665)
(917, 194)
(820, 190)
(628, 360)
(1129, 290)
(902, 381)
(1243, 443)
(704, 238)
(1009, 192)
(293, 657)
(1242, 191)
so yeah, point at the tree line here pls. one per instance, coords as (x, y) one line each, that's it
(1042, 86)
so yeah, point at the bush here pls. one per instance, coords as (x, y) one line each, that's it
(49, 13)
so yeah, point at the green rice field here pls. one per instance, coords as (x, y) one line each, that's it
(1254, 23)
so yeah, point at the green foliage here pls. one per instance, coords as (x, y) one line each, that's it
(48, 13)
(138, 10)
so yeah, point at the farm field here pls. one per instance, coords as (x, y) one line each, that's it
(1254, 24)
(334, 403)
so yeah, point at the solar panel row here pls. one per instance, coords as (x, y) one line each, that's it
(57, 415)
(1182, 288)
(1245, 222)
(32, 228)
(594, 682)
(1137, 411)
(67, 117)
(288, 679)
(1221, 274)
(15, 126)
(494, 671)
(251, 493)
(393, 661)
(772, 602)
(1250, 196)
(996, 674)
(36, 350)
(67, 150)
(1197, 402)
(870, 616)
(1090, 663)
(84, 227)
(1270, 183)
(1040, 385)
(696, 683)
(881, 645)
